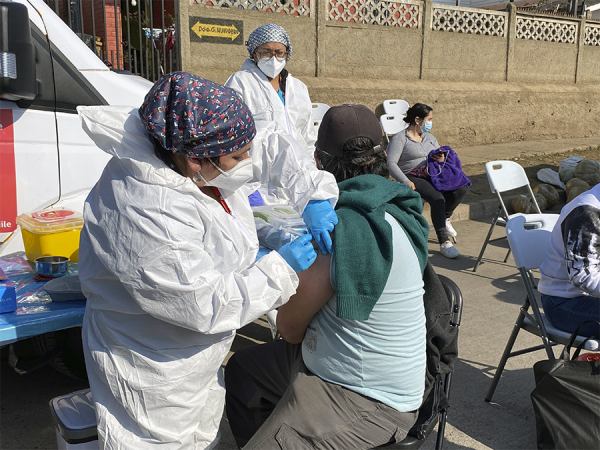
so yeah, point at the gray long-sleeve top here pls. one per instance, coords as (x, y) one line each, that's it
(405, 154)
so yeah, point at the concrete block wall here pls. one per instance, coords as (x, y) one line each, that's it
(467, 114)
(466, 57)
(347, 49)
(367, 51)
(483, 88)
(589, 69)
(222, 59)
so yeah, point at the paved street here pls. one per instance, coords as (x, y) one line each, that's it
(492, 298)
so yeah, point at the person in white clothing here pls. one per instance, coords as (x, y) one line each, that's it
(570, 275)
(280, 104)
(168, 261)
(268, 88)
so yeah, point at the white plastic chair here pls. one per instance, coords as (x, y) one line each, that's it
(316, 125)
(318, 111)
(505, 176)
(529, 247)
(398, 107)
(392, 124)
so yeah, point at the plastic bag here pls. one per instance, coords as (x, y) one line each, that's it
(276, 225)
(551, 177)
(566, 168)
(15, 263)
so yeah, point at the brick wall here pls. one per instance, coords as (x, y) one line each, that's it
(110, 35)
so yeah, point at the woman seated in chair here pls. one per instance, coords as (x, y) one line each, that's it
(570, 276)
(407, 162)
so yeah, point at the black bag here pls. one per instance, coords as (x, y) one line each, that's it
(442, 351)
(566, 401)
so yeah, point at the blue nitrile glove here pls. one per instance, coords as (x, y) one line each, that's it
(320, 218)
(299, 253)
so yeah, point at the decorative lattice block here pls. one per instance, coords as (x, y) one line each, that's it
(550, 30)
(469, 21)
(376, 12)
(290, 7)
(592, 35)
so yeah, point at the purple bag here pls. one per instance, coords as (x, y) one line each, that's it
(447, 175)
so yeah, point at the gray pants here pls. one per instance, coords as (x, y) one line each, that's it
(274, 402)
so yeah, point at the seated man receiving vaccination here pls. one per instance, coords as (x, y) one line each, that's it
(350, 373)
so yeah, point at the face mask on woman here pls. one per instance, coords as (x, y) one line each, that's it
(271, 67)
(427, 127)
(232, 179)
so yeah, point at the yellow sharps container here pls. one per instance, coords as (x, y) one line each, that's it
(52, 232)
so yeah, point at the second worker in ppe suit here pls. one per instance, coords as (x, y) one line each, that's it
(167, 261)
(271, 93)
(280, 104)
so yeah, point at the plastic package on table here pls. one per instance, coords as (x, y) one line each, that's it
(276, 225)
(36, 312)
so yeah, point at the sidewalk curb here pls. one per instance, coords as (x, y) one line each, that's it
(472, 161)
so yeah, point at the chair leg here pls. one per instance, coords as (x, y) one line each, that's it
(487, 239)
(507, 350)
(529, 287)
(439, 443)
(507, 255)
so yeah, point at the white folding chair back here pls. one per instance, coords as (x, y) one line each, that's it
(318, 111)
(530, 247)
(392, 124)
(398, 107)
(505, 176)
(316, 125)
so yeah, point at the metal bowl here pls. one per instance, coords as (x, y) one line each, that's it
(52, 265)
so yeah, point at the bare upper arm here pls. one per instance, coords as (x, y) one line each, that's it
(314, 290)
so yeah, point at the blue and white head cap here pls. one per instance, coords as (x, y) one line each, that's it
(268, 33)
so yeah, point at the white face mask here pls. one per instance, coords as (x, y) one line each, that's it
(234, 178)
(271, 67)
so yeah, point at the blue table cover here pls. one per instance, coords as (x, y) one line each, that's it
(36, 312)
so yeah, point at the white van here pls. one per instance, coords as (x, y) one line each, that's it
(46, 159)
(46, 71)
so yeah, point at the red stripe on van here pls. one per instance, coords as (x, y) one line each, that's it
(8, 177)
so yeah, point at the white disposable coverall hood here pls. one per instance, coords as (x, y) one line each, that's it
(169, 277)
(272, 116)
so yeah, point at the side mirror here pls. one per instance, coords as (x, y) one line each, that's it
(17, 53)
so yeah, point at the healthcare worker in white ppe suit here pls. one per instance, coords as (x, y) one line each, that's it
(167, 261)
(280, 104)
(268, 88)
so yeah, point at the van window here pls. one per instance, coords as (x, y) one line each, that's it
(60, 85)
(72, 88)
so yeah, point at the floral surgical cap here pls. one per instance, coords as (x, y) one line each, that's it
(268, 33)
(196, 117)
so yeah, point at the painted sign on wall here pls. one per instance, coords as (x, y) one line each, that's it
(216, 31)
